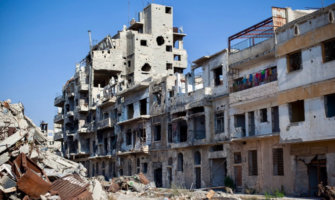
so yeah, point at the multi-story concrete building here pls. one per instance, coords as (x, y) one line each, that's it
(260, 111)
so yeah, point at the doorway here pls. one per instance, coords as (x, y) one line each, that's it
(317, 172)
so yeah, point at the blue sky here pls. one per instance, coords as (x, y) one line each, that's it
(41, 40)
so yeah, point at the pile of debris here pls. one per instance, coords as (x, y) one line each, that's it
(28, 169)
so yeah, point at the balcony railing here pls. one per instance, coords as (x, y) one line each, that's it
(105, 123)
(82, 107)
(59, 101)
(59, 118)
(256, 79)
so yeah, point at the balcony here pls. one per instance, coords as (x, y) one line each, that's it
(83, 87)
(108, 101)
(70, 114)
(105, 123)
(70, 132)
(59, 101)
(59, 118)
(82, 107)
(139, 148)
(58, 136)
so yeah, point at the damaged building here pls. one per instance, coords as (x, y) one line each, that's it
(261, 111)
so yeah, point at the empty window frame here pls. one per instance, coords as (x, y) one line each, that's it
(128, 137)
(144, 168)
(157, 132)
(168, 48)
(130, 111)
(294, 61)
(328, 50)
(330, 105)
(177, 57)
(143, 105)
(296, 111)
(264, 115)
(144, 43)
(180, 164)
(168, 10)
(237, 158)
(252, 163)
(218, 76)
(197, 158)
(168, 66)
(170, 133)
(278, 162)
(219, 122)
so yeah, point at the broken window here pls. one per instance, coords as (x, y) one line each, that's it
(237, 158)
(240, 124)
(178, 70)
(128, 137)
(297, 111)
(146, 67)
(177, 57)
(130, 111)
(182, 131)
(217, 147)
(328, 48)
(157, 132)
(278, 162)
(218, 76)
(263, 115)
(197, 158)
(168, 48)
(144, 168)
(143, 43)
(219, 123)
(168, 66)
(143, 105)
(170, 133)
(160, 40)
(157, 97)
(180, 165)
(294, 61)
(330, 105)
(252, 162)
(275, 119)
(168, 10)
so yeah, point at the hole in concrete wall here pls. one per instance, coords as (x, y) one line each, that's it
(143, 105)
(180, 164)
(219, 122)
(177, 57)
(275, 119)
(130, 111)
(146, 67)
(218, 76)
(160, 40)
(128, 137)
(328, 50)
(294, 61)
(252, 163)
(178, 70)
(168, 66)
(197, 158)
(263, 114)
(168, 10)
(157, 132)
(169, 48)
(297, 111)
(330, 105)
(144, 43)
(278, 162)
(237, 157)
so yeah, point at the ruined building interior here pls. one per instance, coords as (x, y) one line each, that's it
(261, 111)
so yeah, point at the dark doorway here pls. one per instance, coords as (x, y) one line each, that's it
(198, 177)
(238, 175)
(158, 177)
(169, 172)
(317, 172)
(218, 171)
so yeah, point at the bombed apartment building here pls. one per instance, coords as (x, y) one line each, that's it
(260, 111)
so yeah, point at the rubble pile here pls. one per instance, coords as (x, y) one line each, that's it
(28, 169)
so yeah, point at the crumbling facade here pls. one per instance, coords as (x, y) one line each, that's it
(260, 111)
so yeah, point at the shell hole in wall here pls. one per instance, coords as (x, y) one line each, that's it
(146, 67)
(160, 40)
